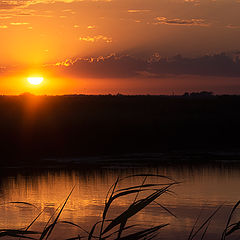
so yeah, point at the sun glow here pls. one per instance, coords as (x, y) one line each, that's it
(35, 80)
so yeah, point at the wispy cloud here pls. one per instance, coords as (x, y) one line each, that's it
(67, 10)
(5, 17)
(91, 27)
(3, 26)
(15, 4)
(20, 13)
(231, 26)
(19, 23)
(6, 5)
(96, 38)
(193, 1)
(178, 21)
(67, 62)
(139, 10)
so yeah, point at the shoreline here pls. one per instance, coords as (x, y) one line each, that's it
(132, 160)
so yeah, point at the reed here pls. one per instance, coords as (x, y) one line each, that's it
(118, 228)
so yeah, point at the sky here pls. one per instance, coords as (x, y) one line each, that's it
(120, 46)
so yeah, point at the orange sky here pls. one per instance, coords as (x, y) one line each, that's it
(37, 34)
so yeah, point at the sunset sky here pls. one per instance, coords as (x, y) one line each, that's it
(126, 46)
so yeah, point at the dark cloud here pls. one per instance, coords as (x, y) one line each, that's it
(113, 66)
(209, 65)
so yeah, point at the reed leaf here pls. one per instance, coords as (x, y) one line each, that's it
(143, 186)
(205, 222)
(166, 209)
(17, 233)
(34, 220)
(194, 225)
(125, 228)
(121, 228)
(205, 231)
(135, 208)
(51, 227)
(90, 236)
(143, 233)
(233, 229)
(140, 187)
(24, 203)
(229, 220)
(74, 224)
(16, 236)
(107, 205)
(148, 175)
(49, 220)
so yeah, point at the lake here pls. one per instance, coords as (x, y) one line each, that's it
(202, 189)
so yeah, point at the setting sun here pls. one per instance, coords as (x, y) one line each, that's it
(35, 80)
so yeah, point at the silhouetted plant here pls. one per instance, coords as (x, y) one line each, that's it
(117, 228)
(107, 228)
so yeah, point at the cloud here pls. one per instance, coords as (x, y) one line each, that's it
(209, 65)
(67, 10)
(233, 26)
(111, 66)
(178, 21)
(16, 13)
(139, 10)
(15, 4)
(125, 66)
(6, 5)
(96, 38)
(19, 23)
(5, 17)
(3, 26)
(195, 2)
(91, 27)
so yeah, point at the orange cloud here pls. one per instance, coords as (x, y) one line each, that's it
(138, 10)
(96, 38)
(19, 23)
(5, 17)
(91, 27)
(66, 63)
(18, 5)
(178, 21)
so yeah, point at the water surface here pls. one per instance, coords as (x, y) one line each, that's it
(202, 190)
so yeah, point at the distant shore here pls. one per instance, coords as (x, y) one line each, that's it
(197, 126)
(132, 160)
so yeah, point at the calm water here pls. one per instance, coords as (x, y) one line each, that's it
(202, 190)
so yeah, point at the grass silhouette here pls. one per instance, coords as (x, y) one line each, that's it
(117, 228)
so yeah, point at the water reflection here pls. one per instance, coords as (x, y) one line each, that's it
(203, 189)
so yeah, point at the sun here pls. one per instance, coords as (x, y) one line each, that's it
(35, 80)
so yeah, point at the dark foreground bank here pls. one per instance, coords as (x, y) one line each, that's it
(76, 126)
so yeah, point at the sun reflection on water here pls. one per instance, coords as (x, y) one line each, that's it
(48, 189)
